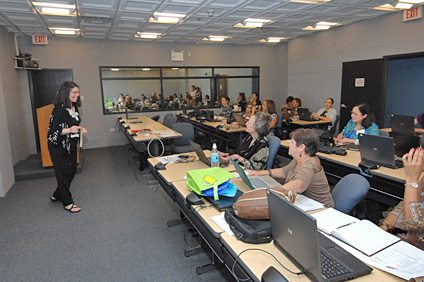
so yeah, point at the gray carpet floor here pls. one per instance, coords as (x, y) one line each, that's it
(120, 234)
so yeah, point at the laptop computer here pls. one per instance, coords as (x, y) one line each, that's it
(201, 155)
(404, 142)
(257, 181)
(295, 233)
(210, 116)
(402, 124)
(304, 114)
(378, 150)
(240, 120)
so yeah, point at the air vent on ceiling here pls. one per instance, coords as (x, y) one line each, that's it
(96, 20)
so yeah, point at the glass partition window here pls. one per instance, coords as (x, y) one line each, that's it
(167, 88)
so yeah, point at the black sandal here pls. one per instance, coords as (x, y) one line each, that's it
(53, 199)
(73, 206)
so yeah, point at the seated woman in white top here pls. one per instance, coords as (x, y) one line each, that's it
(328, 113)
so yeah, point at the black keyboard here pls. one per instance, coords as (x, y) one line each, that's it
(331, 268)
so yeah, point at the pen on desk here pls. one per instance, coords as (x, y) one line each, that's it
(345, 225)
(391, 267)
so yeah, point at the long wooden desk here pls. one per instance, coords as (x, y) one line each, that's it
(231, 136)
(226, 248)
(386, 183)
(140, 141)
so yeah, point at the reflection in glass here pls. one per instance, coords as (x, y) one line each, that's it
(167, 88)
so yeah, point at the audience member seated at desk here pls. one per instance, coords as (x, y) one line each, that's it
(328, 113)
(128, 102)
(304, 174)
(240, 99)
(419, 120)
(269, 108)
(154, 98)
(257, 105)
(296, 103)
(362, 122)
(287, 110)
(206, 101)
(408, 215)
(226, 109)
(248, 113)
(254, 150)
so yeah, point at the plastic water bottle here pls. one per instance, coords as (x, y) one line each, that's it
(214, 156)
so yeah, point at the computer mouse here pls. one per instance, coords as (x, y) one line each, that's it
(273, 275)
(340, 152)
(193, 199)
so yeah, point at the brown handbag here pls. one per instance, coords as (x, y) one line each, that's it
(254, 204)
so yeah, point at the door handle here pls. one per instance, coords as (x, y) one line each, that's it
(343, 106)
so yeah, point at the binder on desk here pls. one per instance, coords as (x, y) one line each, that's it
(363, 235)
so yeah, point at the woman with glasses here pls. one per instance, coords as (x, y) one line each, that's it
(362, 122)
(248, 113)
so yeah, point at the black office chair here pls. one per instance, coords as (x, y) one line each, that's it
(182, 144)
(336, 122)
(155, 118)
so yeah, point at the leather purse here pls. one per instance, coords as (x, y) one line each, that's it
(254, 204)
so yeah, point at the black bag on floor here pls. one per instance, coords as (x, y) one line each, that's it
(249, 230)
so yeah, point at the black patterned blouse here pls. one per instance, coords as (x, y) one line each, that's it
(60, 119)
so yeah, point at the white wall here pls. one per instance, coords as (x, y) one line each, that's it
(315, 62)
(85, 56)
(13, 136)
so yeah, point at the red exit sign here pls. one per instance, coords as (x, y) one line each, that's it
(39, 39)
(413, 14)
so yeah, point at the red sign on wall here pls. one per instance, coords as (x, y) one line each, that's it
(39, 39)
(413, 14)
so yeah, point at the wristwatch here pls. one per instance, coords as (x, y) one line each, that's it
(413, 185)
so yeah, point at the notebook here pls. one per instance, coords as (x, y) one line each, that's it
(201, 155)
(378, 150)
(402, 124)
(255, 182)
(363, 235)
(295, 234)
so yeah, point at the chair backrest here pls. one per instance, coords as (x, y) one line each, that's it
(349, 191)
(384, 133)
(274, 145)
(168, 115)
(333, 128)
(155, 118)
(170, 121)
(187, 130)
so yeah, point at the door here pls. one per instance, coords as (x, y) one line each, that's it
(43, 85)
(363, 82)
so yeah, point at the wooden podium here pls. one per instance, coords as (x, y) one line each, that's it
(43, 117)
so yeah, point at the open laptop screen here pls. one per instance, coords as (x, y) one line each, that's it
(377, 149)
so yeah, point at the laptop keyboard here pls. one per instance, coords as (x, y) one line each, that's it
(331, 268)
(258, 182)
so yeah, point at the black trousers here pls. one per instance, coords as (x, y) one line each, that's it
(65, 167)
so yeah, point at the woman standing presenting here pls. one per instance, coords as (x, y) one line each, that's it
(63, 136)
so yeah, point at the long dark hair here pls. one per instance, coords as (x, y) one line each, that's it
(62, 95)
(366, 110)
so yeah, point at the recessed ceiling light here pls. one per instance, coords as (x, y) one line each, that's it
(64, 31)
(146, 69)
(412, 1)
(252, 23)
(148, 35)
(114, 69)
(172, 18)
(54, 8)
(218, 38)
(385, 7)
(403, 6)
